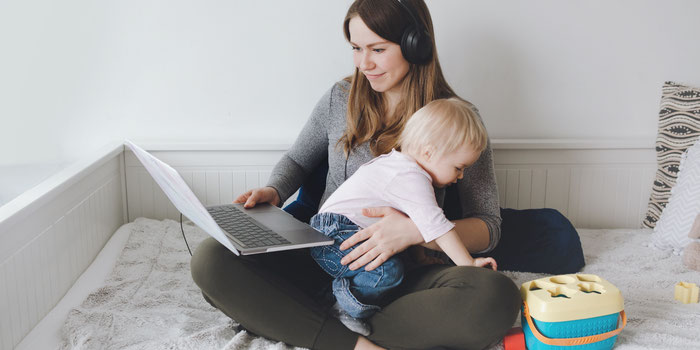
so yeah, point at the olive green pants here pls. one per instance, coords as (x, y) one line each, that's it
(281, 296)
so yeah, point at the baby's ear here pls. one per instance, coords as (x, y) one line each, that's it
(428, 151)
(695, 230)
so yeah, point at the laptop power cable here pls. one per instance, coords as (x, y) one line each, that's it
(183, 235)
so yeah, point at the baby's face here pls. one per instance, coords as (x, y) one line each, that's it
(449, 167)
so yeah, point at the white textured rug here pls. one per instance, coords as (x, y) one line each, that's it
(150, 302)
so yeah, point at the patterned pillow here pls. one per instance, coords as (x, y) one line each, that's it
(679, 128)
(671, 231)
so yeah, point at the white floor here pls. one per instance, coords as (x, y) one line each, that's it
(46, 335)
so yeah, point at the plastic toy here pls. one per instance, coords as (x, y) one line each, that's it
(686, 292)
(514, 339)
(579, 310)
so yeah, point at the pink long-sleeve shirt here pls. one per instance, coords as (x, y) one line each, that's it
(394, 180)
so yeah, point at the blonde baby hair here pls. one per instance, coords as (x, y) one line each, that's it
(445, 125)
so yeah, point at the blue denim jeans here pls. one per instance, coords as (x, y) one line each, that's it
(356, 291)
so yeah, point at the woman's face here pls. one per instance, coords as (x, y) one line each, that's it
(378, 59)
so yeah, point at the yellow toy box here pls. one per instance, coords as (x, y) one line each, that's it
(575, 311)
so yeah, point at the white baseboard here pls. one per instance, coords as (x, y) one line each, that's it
(595, 184)
(594, 188)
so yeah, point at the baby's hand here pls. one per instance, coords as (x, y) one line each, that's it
(482, 262)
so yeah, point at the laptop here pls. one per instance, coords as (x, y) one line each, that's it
(262, 229)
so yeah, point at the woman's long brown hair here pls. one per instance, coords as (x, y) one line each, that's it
(366, 120)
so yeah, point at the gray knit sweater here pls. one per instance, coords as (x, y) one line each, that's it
(475, 195)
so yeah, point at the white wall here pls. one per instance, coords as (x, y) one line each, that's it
(568, 69)
(75, 74)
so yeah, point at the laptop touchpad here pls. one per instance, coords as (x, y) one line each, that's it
(274, 218)
(279, 221)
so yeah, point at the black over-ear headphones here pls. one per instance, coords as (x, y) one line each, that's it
(416, 43)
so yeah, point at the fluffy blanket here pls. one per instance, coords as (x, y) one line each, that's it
(150, 302)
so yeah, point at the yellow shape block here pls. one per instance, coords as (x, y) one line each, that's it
(686, 292)
(571, 297)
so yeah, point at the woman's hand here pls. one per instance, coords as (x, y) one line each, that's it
(392, 234)
(259, 195)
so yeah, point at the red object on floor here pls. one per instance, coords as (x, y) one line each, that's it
(514, 339)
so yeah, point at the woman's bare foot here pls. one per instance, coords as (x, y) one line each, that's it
(364, 344)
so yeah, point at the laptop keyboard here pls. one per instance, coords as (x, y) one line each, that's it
(244, 228)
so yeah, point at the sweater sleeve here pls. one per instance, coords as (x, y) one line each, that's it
(309, 149)
(478, 195)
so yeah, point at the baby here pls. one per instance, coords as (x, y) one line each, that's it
(438, 142)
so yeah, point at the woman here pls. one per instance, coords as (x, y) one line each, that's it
(283, 296)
